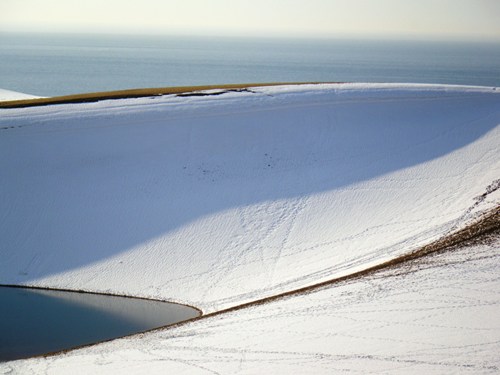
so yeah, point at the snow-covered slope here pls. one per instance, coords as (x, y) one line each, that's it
(435, 315)
(219, 200)
(6, 95)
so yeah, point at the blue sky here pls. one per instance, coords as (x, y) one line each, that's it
(424, 19)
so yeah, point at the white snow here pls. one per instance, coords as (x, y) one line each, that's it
(6, 95)
(220, 200)
(432, 316)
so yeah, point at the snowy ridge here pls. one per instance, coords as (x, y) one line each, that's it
(219, 200)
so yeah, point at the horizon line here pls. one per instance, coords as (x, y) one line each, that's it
(251, 35)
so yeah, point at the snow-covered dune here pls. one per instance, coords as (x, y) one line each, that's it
(435, 315)
(219, 200)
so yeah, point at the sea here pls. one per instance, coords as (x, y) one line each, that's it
(52, 65)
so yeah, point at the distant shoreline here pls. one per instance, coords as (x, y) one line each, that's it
(138, 93)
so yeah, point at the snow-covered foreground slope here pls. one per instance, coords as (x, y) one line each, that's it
(219, 200)
(436, 315)
(6, 95)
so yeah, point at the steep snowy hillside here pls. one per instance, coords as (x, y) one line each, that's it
(223, 199)
(433, 315)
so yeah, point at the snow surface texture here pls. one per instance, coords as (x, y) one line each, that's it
(436, 315)
(219, 200)
(6, 95)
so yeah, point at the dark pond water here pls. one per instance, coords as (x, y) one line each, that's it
(35, 321)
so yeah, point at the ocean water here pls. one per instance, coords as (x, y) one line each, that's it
(50, 65)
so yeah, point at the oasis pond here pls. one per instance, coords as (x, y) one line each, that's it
(36, 321)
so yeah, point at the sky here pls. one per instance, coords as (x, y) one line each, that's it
(421, 19)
